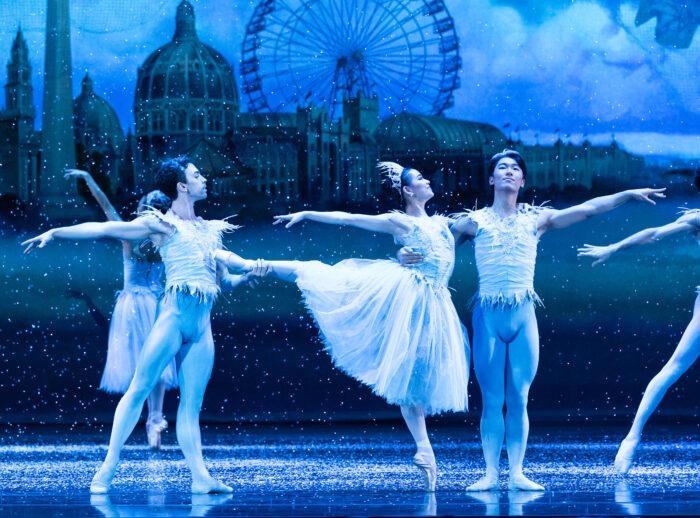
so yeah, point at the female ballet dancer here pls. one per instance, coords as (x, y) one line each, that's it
(688, 348)
(392, 328)
(187, 245)
(134, 311)
(506, 338)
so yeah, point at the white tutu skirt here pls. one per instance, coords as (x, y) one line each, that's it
(132, 319)
(386, 327)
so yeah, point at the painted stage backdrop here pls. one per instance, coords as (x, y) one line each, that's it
(289, 104)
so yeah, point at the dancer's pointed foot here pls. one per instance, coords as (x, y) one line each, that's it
(426, 463)
(210, 485)
(154, 427)
(102, 480)
(625, 455)
(488, 482)
(520, 482)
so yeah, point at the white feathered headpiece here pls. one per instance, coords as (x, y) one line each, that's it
(393, 171)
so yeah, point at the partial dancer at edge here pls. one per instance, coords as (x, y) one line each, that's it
(688, 348)
(187, 245)
(506, 338)
(134, 311)
(392, 328)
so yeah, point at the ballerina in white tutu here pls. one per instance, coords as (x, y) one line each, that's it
(134, 311)
(394, 329)
(688, 348)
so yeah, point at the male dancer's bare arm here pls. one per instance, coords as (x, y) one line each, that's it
(229, 281)
(140, 228)
(463, 229)
(686, 223)
(235, 262)
(553, 219)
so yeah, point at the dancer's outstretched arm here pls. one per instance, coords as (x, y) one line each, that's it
(235, 262)
(552, 219)
(97, 193)
(140, 228)
(689, 222)
(386, 223)
(252, 269)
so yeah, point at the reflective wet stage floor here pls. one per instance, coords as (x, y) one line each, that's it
(346, 469)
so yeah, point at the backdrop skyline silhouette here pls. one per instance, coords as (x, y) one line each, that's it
(547, 69)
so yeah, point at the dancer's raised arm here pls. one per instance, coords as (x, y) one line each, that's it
(387, 223)
(688, 222)
(553, 219)
(96, 192)
(140, 228)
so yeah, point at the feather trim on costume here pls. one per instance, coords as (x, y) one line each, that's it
(203, 294)
(501, 300)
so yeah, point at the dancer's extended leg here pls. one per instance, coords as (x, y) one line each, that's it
(196, 363)
(683, 357)
(521, 367)
(489, 365)
(159, 349)
(424, 457)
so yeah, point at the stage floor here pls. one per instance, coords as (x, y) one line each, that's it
(346, 469)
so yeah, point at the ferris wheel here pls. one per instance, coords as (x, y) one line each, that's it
(298, 52)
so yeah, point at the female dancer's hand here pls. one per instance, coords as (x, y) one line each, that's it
(646, 194)
(260, 269)
(39, 241)
(409, 257)
(599, 253)
(290, 219)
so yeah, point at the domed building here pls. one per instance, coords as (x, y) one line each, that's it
(98, 135)
(458, 149)
(185, 93)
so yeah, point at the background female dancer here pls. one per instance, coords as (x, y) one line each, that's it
(506, 337)
(134, 311)
(392, 328)
(187, 245)
(688, 348)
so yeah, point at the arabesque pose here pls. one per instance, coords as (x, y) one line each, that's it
(394, 329)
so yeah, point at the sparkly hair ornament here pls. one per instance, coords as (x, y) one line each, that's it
(393, 172)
